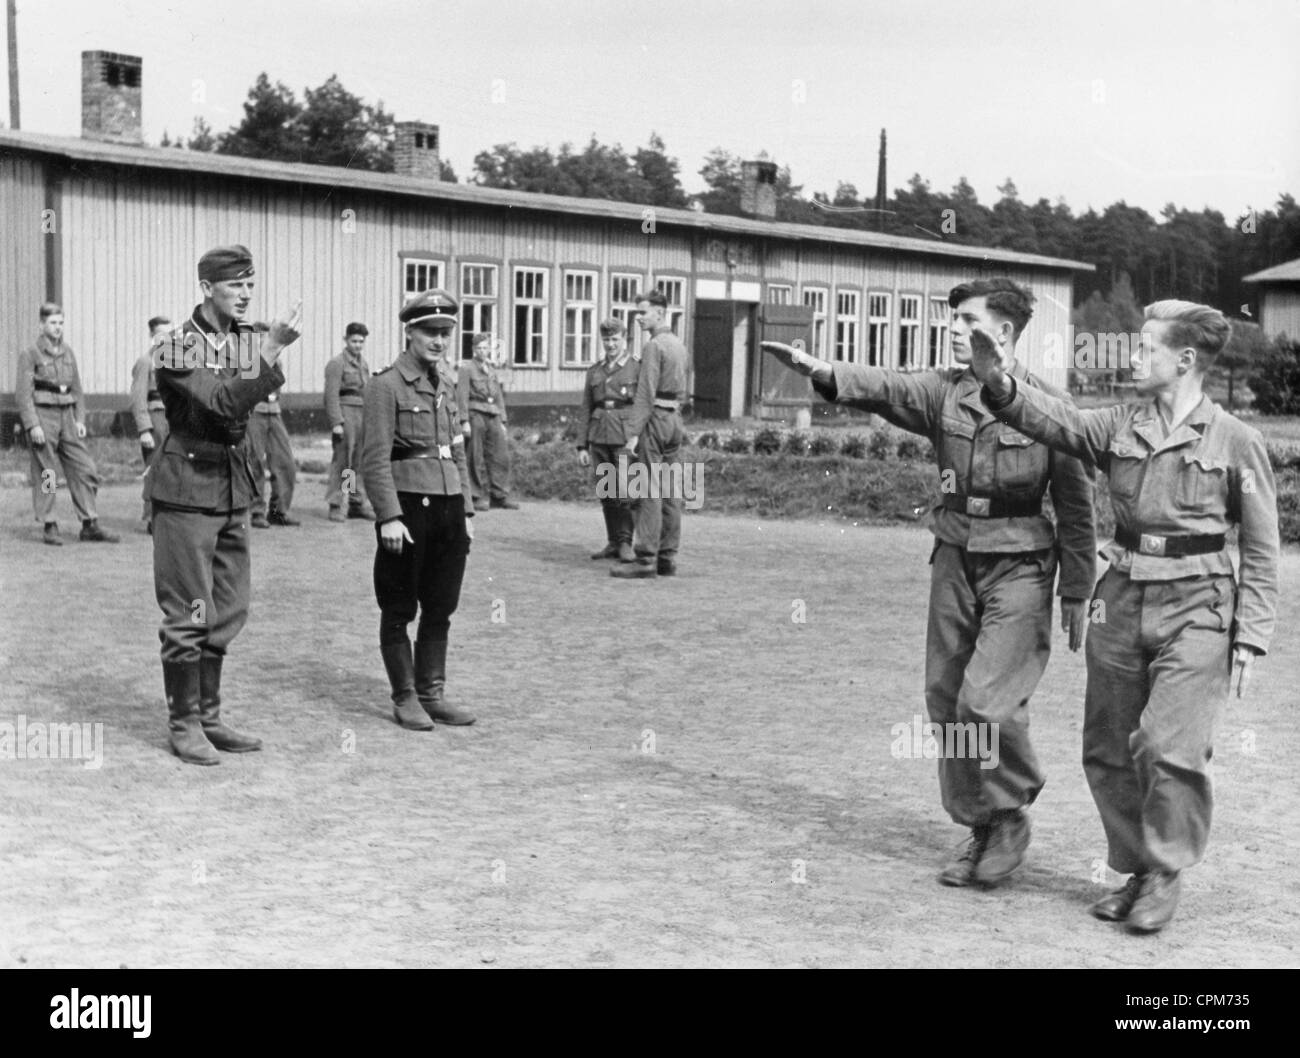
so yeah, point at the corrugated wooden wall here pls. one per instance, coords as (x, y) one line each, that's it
(23, 246)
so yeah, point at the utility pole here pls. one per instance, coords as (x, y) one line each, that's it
(12, 25)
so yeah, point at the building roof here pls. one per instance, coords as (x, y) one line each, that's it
(76, 149)
(1287, 272)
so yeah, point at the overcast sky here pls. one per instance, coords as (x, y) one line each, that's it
(1195, 102)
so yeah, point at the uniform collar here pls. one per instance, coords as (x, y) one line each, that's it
(623, 359)
(413, 371)
(1146, 425)
(48, 347)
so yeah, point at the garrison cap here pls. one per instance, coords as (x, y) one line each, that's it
(431, 308)
(356, 328)
(226, 262)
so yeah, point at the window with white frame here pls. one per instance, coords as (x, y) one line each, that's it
(530, 316)
(579, 317)
(675, 291)
(939, 353)
(815, 299)
(418, 275)
(878, 329)
(624, 288)
(847, 305)
(909, 332)
(478, 304)
(780, 294)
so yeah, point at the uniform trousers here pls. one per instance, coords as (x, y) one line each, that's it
(659, 518)
(618, 510)
(274, 451)
(201, 580)
(488, 454)
(987, 644)
(347, 457)
(1159, 670)
(425, 576)
(62, 444)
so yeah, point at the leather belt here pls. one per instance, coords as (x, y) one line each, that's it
(1170, 546)
(668, 405)
(46, 386)
(988, 507)
(153, 394)
(420, 452)
(351, 393)
(617, 404)
(193, 446)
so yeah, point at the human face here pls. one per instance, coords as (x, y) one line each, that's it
(355, 343)
(972, 313)
(614, 345)
(483, 352)
(1158, 366)
(52, 327)
(430, 344)
(649, 316)
(229, 297)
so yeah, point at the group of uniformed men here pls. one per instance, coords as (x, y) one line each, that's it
(1175, 627)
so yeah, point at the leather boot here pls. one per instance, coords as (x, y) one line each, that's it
(431, 680)
(219, 734)
(401, 677)
(610, 550)
(181, 681)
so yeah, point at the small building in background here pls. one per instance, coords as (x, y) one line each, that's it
(1279, 299)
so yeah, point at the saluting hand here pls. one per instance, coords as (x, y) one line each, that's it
(1243, 658)
(793, 357)
(393, 534)
(986, 360)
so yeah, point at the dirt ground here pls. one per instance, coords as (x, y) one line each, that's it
(669, 773)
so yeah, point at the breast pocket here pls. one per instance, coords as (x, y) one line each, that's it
(1125, 465)
(955, 441)
(1020, 463)
(415, 421)
(1202, 483)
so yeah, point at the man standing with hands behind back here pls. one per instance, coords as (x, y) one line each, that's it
(211, 374)
(1178, 631)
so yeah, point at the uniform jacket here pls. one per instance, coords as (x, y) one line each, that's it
(270, 406)
(607, 384)
(479, 389)
(144, 393)
(345, 383)
(408, 411)
(1212, 471)
(663, 377)
(52, 365)
(206, 463)
(979, 456)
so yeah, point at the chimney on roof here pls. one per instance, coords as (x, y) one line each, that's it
(758, 189)
(415, 152)
(110, 97)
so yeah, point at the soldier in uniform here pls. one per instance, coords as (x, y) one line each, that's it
(274, 452)
(1171, 629)
(53, 412)
(211, 373)
(993, 565)
(414, 466)
(346, 376)
(480, 395)
(655, 435)
(603, 419)
(148, 412)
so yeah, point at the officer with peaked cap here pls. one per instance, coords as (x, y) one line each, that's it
(210, 373)
(415, 473)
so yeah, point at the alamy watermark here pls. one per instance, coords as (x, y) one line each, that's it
(83, 740)
(929, 741)
(1091, 351)
(635, 480)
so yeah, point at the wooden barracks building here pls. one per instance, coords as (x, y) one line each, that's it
(112, 230)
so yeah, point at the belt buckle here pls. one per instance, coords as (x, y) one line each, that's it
(1149, 544)
(63, 389)
(444, 451)
(977, 506)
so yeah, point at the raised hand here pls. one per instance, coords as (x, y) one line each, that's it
(286, 329)
(792, 357)
(986, 360)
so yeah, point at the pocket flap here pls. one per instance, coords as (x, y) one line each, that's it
(1011, 439)
(955, 427)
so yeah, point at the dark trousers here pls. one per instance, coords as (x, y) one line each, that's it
(489, 457)
(423, 577)
(201, 580)
(988, 641)
(1159, 673)
(618, 511)
(274, 451)
(659, 519)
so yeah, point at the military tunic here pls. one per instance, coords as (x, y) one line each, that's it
(656, 422)
(1168, 610)
(483, 400)
(993, 565)
(604, 416)
(48, 394)
(345, 389)
(205, 477)
(414, 467)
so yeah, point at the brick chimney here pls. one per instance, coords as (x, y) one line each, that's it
(416, 151)
(758, 189)
(110, 97)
